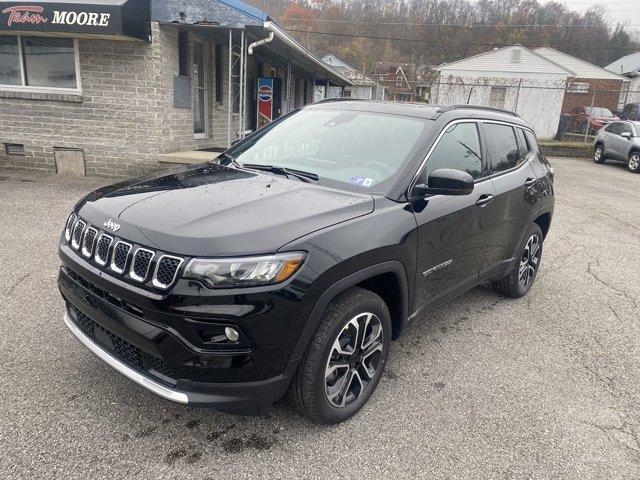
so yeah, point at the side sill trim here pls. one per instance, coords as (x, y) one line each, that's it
(131, 374)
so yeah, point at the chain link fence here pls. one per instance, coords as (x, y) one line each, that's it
(556, 109)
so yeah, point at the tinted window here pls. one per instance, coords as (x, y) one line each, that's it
(459, 148)
(523, 147)
(625, 127)
(502, 144)
(614, 128)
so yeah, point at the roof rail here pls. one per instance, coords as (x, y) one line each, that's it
(448, 108)
(339, 99)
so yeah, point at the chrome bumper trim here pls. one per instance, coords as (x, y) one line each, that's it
(131, 374)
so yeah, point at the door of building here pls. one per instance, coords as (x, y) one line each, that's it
(199, 91)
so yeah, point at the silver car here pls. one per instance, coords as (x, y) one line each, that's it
(619, 141)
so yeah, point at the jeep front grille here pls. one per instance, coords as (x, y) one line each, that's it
(102, 250)
(166, 271)
(78, 230)
(134, 263)
(89, 242)
(141, 263)
(68, 230)
(120, 257)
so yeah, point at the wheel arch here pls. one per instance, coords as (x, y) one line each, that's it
(544, 222)
(387, 279)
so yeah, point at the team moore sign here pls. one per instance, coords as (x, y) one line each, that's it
(129, 18)
(33, 14)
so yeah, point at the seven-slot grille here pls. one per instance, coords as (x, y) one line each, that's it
(141, 263)
(166, 269)
(89, 242)
(102, 250)
(78, 230)
(120, 256)
(138, 264)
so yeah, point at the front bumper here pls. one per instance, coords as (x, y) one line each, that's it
(154, 341)
(252, 398)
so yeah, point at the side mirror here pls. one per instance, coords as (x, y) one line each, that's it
(626, 135)
(445, 181)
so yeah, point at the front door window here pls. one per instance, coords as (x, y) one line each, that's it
(199, 100)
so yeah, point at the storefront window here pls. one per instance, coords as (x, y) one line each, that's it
(38, 62)
(9, 61)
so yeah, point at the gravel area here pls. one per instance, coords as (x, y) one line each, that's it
(485, 387)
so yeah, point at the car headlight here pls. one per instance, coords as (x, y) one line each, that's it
(244, 272)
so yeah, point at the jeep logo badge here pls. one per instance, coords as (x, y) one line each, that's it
(112, 225)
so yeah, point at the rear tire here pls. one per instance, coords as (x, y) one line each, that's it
(598, 154)
(332, 383)
(521, 277)
(634, 162)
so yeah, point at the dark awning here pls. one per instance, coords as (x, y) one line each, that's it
(124, 19)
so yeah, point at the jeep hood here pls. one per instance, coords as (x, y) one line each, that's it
(220, 211)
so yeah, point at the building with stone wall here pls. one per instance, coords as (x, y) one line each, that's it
(154, 85)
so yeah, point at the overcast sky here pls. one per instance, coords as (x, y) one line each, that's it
(619, 10)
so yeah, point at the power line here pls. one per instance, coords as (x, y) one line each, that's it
(417, 40)
(475, 25)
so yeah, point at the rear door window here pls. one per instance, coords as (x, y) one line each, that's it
(625, 127)
(523, 147)
(503, 147)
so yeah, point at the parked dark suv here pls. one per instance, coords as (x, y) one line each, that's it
(292, 263)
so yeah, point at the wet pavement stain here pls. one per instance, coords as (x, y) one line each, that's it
(191, 424)
(254, 441)
(174, 455)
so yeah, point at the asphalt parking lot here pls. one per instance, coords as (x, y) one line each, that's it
(543, 387)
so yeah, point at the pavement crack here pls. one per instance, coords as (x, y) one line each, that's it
(609, 285)
(623, 435)
(17, 283)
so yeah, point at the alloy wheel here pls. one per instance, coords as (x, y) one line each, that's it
(530, 261)
(597, 156)
(354, 360)
(634, 161)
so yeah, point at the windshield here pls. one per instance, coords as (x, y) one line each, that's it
(599, 112)
(346, 149)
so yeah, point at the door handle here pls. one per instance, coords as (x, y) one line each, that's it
(530, 182)
(484, 200)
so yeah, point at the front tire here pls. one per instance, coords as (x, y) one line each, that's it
(634, 162)
(345, 360)
(521, 277)
(598, 154)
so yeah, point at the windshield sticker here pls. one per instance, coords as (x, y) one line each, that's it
(365, 182)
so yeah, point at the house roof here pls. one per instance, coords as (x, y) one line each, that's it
(629, 64)
(513, 59)
(385, 68)
(580, 68)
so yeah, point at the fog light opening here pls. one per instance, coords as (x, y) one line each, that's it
(232, 334)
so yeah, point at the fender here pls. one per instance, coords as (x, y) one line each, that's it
(313, 322)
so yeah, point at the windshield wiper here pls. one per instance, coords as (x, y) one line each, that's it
(299, 174)
(228, 157)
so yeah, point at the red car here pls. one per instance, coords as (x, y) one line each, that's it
(594, 117)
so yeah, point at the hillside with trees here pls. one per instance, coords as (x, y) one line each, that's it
(430, 32)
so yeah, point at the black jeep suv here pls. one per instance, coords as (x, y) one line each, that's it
(291, 262)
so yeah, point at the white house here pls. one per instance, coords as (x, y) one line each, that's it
(364, 87)
(629, 66)
(515, 78)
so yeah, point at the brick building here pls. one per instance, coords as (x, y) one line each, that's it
(116, 87)
(400, 80)
(587, 83)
